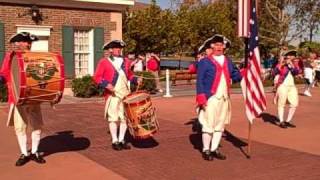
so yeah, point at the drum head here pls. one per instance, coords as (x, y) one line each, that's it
(15, 76)
(136, 97)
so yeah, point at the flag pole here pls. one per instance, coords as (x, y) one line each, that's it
(246, 60)
(249, 141)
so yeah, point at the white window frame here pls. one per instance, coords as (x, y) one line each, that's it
(89, 52)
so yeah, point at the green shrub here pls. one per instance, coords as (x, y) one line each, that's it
(3, 93)
(148, 84)
(84, 87)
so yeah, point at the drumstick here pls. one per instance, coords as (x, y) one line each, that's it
(139, 86)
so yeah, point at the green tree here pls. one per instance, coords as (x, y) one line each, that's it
(282, 21)
(147, 29)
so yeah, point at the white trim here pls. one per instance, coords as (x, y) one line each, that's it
(43, 32)
(36, 30)
(122, 2)
(91, 53)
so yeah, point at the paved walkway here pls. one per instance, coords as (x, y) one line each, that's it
(77, 145)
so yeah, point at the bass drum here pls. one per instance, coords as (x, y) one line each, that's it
(37, 77)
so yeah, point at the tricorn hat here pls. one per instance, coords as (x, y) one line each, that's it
(220, 38)
(205, 45)
(114, 44)
(23, 37)
(291, 53)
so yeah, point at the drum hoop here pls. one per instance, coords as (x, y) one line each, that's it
(22, 81)
(138, 102)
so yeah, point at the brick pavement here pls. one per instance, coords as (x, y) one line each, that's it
(174, 153)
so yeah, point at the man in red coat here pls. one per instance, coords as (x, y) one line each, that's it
(22, 116)
(153, 66)
(114, 75)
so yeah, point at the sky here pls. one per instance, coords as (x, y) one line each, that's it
(164, 4)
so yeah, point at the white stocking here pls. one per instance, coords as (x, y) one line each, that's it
(216, 138)
(35, 137)
(291, 113)
(123, 129)
(281, 114)
(113, 131)
(206, 139)
(22, 140)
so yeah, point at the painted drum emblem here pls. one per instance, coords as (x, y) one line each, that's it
(41, 72)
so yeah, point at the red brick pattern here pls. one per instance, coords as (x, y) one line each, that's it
(55, 17)
(174, 153)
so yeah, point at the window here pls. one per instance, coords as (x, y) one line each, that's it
(83, 55)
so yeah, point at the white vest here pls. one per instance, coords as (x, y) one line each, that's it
(121, 89)
(222, 90)
(289, 80)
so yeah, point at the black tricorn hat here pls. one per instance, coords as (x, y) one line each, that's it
(114, 44)
(220, 38)
(291, 53)
(205, 45)
(23, 37)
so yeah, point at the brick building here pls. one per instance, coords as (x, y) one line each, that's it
(75, 28)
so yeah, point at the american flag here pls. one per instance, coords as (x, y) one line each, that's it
(252, 87)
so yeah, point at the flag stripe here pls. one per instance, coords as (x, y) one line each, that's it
(252, 87)
(255, 78)
(258, 76)
(253, 92)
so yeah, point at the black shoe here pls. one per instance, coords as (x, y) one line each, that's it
(206, 155)
(290, 125)
(23, 159)
(116, 146)
(283, 125)
(37, 158)
(217, 154)
(124, 145)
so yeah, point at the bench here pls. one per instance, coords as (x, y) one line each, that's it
(184, 75)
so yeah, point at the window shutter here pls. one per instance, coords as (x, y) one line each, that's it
(2, 42)
(98, 43)
(68, 51)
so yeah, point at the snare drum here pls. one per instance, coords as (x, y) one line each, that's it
(140, 113)
(37, 77)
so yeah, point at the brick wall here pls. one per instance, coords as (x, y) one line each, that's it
(55, 17)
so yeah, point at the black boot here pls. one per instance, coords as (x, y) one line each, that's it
(124, 145)
(23, 159)
(217, 154)
(206, 155)
(37, 158)
(283, 125)
(116, 146)
(288, 124)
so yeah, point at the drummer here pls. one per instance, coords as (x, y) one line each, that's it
(113, 74)
(22, 116)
